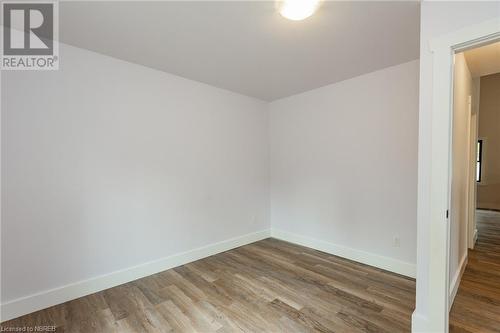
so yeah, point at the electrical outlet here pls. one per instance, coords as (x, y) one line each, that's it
(396, 241)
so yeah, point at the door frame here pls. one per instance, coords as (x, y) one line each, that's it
(444, 49)
(472, 175)
(468, 175)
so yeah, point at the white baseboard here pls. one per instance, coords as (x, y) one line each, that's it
(47, 298)
(389, 264)
(455, 283)
(475, 237)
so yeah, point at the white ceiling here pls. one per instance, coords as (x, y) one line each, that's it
(484, 60)
(246, 46)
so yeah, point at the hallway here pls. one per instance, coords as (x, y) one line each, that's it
(477, 304)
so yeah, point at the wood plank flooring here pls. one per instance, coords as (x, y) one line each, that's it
(477, 304)
(267, 286)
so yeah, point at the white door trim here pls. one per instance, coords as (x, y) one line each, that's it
(468, 175)
(472, 196)
(444, 48)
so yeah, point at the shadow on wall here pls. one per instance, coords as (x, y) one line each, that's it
(488, 190)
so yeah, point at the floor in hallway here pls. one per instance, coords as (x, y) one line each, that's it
(477, 304)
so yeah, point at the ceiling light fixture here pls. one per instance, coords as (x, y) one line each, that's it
(297, 10)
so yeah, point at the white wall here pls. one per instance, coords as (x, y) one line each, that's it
(344, 163)
(462, 90)
(437, 18)
(107, 165)
(488, 191)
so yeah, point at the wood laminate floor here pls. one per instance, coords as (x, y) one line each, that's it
(267, 286)
(477, 304)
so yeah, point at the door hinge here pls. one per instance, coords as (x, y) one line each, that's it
(447, 213)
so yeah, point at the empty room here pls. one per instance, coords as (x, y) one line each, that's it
(249, 166)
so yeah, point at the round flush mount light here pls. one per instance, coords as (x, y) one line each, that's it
(297, 10)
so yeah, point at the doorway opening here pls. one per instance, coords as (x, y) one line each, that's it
(474, 197)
